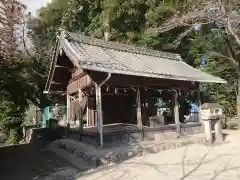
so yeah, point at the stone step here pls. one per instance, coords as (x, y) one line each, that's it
(85, 156)
(148, 148)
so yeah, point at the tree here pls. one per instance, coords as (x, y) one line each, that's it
(223, 14)
(11, 16)
(201, 46)
(12, 86)
(144, 23)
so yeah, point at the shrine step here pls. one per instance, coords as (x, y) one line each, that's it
(144, 148)
(130, 137)
(85, 156)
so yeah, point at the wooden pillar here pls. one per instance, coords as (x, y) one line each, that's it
(68, 108)
(139, 110)
(199, 101)
(87, 112)
(80, 114)
(176, 111)
(68, 115)
(99, 113)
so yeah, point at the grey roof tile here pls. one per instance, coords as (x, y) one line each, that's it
(99, 55)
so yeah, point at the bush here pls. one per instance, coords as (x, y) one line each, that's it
(3, 137)
(14, 136)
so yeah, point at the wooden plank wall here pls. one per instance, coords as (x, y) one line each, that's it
(92, 112)
(92, 118)
(79, 80)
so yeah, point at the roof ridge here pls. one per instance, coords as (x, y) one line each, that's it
(121, 46)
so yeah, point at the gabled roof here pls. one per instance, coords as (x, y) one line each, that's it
(104, 56)
(111, 57)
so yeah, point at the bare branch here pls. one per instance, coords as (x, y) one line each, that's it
(231, 59)
(198, 16)
(226, 18)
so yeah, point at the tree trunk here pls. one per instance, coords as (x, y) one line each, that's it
(238, 92)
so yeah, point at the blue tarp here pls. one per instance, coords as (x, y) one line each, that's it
(194, 107)
(47, 113)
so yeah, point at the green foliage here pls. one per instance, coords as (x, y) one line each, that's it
(211, 43)
(137, 22)
(14, 136)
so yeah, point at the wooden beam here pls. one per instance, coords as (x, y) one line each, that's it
(56, 83)
(54, 92)
(59, 66)
(129, 81)
(114, 94)
(87, 111)
(139, 110)
(176, 111)
(68, 115)
(80, 116)
(78, 76)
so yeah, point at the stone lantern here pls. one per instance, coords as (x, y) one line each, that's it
(211, 115)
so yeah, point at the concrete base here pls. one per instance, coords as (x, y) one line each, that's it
(208, 131)
(218, 131)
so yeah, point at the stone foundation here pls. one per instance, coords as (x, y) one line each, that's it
(143, 150)
(194, 128)
(82, 155)
(160, 134)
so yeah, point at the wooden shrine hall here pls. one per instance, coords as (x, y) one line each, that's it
(112, 87)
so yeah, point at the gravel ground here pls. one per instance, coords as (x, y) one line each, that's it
(194, 162)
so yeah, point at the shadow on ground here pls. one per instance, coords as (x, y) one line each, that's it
(34, 162)
(189, 168)
(28, 162)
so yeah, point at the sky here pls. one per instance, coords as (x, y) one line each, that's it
(34, 5)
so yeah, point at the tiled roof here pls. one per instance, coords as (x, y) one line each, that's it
(110, 57)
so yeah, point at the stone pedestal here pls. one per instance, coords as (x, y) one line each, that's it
(208, 130)
(218, 130)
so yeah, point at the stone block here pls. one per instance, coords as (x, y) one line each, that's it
(129, 154)
(161, 148)
(153, 149)
(167, 146)
(113, 158)
(105, 160)
(178, 145)
(139, 152)
(173, 145)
